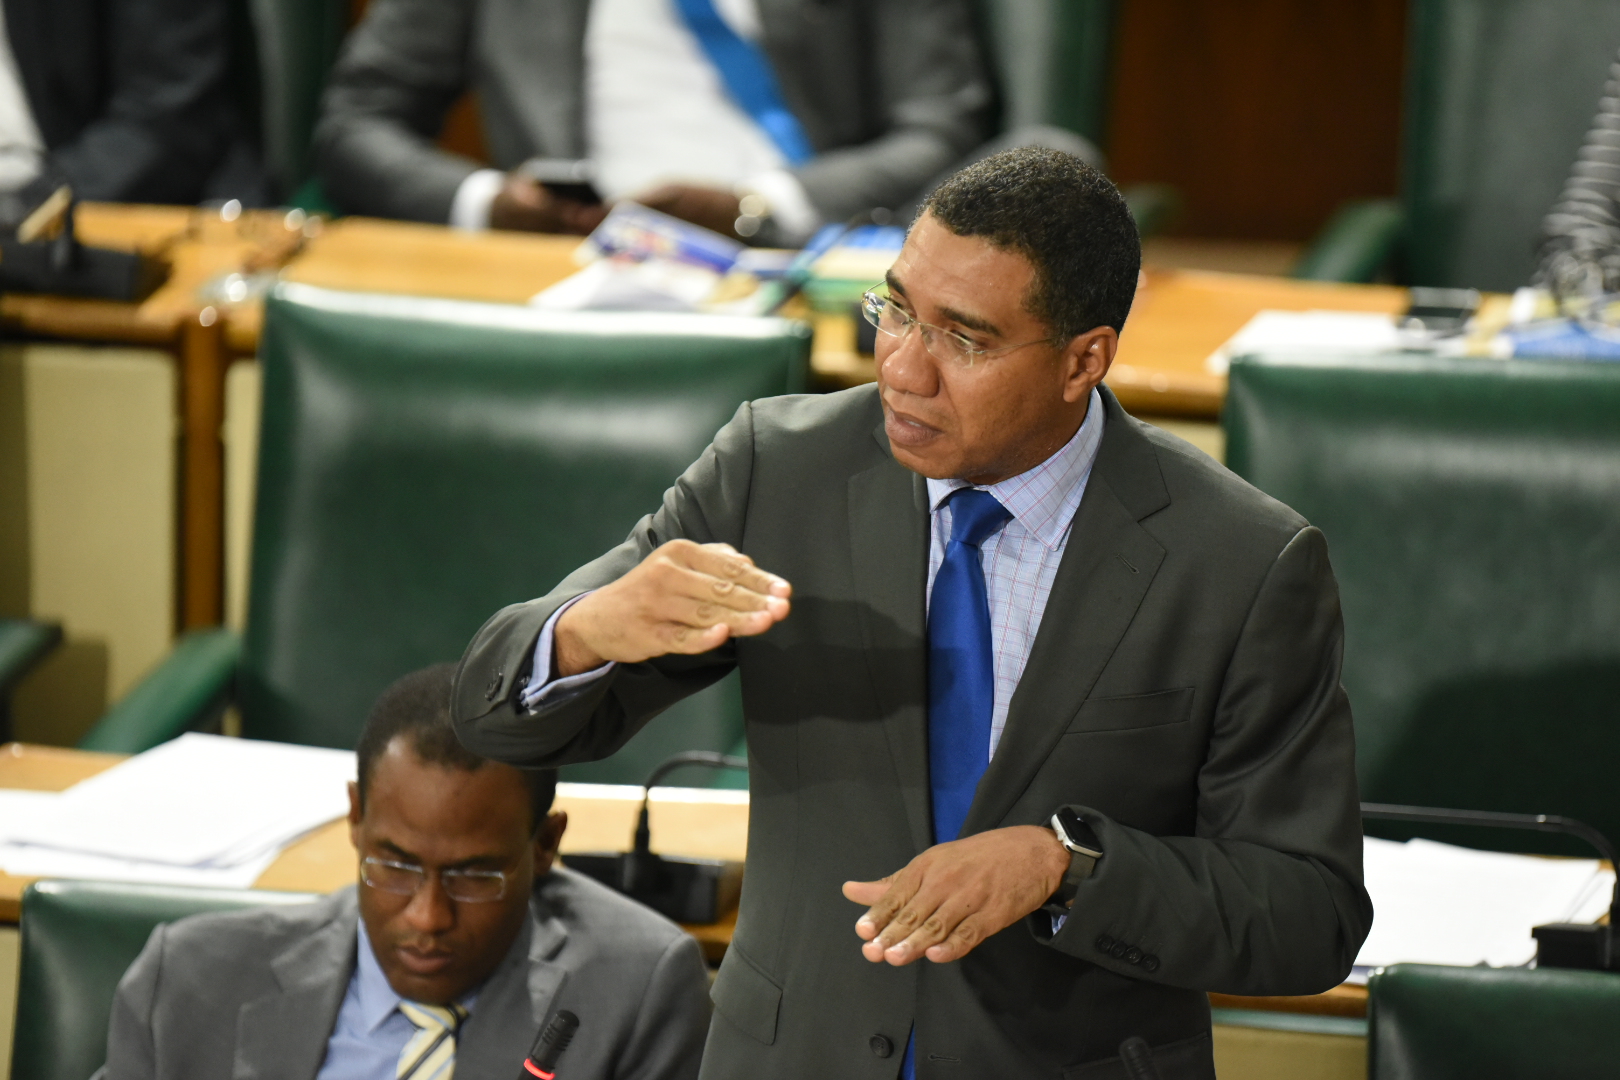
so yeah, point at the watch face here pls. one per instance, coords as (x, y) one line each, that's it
(1079, 833)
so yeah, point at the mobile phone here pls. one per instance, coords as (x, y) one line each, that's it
(565, 178)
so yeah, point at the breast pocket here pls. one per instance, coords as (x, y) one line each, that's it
(1132, 711)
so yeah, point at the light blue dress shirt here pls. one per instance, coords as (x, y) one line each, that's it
(370, 1032)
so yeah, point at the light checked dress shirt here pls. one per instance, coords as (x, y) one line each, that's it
(370, 1032)
(1020, 563)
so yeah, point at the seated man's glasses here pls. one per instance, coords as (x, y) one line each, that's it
(942, 344)
(403, 879)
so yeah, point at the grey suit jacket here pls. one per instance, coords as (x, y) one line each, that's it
(253, 995)
(890, 92)
(1182, 692)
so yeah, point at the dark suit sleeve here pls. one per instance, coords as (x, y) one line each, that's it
(131, 1054)
(167, 121)
(1268, 897)
(672, 1020)
(401, 70)
(936, 101)
(706, 505)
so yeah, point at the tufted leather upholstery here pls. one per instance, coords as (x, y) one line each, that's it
(1472, 513)
(1451, 1023)
(423, 463)
(78, 937)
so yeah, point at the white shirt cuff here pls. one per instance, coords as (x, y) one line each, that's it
(469, 210)
(790, 206)
(542, 688)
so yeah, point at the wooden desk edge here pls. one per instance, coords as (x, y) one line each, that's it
(1347, 1000)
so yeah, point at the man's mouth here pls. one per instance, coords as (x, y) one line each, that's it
(424, 960)
(906, 429)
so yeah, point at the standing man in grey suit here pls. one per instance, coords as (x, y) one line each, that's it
(1049, 695)
(888, 93)
(460, 941)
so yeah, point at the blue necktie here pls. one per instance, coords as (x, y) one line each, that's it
(961, 666)
(749, 77)
(961, 676)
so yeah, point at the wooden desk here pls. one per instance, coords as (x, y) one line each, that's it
(603, 819)
(1180, 317)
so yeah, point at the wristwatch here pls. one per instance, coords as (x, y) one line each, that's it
(1084, 850)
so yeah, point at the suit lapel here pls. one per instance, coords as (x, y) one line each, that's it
(888, 535)
(1108, 565)
(515, 999)
(283, 1036)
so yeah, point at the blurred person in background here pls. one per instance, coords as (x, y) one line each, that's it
(881, 97)
(126, 102)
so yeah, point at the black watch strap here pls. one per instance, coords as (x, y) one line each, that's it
(1080, 868)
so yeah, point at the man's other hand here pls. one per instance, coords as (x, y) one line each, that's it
(709, 207)
(526, 205)
(682, 598)
(954, 895)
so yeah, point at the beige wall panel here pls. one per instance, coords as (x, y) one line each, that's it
(95, 430)
(1244, 1053)
(9, 948)
(242, 395)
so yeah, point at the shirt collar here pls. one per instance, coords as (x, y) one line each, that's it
(376, 998)
(1044, 498)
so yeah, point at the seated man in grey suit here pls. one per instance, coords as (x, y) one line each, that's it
(460, 940)
(886, 94)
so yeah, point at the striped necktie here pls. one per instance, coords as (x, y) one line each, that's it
(431, 1053)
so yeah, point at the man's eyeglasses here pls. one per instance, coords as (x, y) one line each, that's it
(403, 879)
(942, 344)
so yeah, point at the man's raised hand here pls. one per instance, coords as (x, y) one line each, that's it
(682, 598)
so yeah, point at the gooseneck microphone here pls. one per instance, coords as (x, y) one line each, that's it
(549, 1045)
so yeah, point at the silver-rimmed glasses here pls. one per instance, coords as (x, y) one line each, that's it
(942, 344)
(404, 879)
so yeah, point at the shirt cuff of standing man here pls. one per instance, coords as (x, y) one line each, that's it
(469, 210)
(542, 689)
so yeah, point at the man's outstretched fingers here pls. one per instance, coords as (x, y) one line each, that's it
(963, 939)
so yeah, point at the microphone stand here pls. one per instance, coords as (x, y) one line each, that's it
(1567, 945)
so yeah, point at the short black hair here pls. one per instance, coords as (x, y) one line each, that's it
(1065, 217)
(417, 708)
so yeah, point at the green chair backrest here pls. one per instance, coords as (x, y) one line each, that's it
(423, 463)
(1464, 1023)
(298, 42)
(1499, 96)
(1472, 513)
(78, 937)
(1054, 60)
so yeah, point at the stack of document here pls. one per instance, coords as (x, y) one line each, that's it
(201, 810)
(1440, 904)
(1308, 333)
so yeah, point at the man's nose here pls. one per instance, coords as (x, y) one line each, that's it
(431, 910)
(906, 365)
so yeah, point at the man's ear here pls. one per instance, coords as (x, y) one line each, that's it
(1086, 360)
(547, 839)
(354, 814)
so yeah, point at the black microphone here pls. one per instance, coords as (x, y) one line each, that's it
(548, 1047)
(1137, 1056)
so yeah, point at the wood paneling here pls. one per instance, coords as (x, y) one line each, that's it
(1266, 114)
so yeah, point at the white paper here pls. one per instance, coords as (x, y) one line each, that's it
(1295, 332)
(18, 808)
(22, 860)
(1441, 904)
(198, 801)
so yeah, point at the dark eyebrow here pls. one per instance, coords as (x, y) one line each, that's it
(972, 322)
(474, 863)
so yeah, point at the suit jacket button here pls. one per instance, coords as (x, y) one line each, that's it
(1133, 955)
(494, 688)
(880, 1046)
(1104, 943)
(1119, 950)
(1150, 962)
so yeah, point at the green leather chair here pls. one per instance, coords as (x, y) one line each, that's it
(1499, 95)
(1472, 513)
(1455, 1023)
(78, 937)
(23, 644)
(424, 462)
